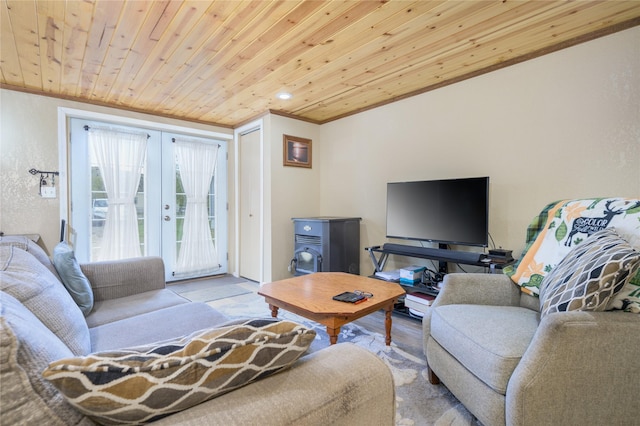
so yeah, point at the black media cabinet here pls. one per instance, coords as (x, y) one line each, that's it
(442, 255)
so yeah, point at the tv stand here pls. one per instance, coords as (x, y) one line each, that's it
(441, 254)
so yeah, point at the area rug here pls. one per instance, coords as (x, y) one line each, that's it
(214, 293)
(417, 401)
(212, 289)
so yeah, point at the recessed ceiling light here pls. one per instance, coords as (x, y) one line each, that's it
(284, 96)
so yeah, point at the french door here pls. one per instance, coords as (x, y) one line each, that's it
(170, 202)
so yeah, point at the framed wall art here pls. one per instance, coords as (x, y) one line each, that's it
(296, 151)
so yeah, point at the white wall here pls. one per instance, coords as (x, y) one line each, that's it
(294, 191)
(564, 125)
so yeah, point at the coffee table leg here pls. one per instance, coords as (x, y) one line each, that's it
(333, 335)
(274, 311)
(387, 323)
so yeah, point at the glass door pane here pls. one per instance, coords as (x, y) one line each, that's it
(100, 205)
(176, 205)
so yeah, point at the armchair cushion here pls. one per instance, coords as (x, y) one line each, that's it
(145, 383)
(588, 277)
(564, 224)
(468, 333)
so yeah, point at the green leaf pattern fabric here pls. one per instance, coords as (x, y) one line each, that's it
(564, 224)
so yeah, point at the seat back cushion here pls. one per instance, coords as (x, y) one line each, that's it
(29, 246)
(26, 279)
(145, 383)
(562, 225)
(26, 349)
(589, 276)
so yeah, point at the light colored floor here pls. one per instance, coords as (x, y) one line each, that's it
(405, 332)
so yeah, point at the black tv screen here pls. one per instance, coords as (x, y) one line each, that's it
(448, 211)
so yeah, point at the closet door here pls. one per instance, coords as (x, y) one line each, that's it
(250, 214)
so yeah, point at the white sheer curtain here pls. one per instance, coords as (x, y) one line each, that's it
(197, 164)
(120, 156)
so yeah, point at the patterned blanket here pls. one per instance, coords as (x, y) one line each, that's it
(562, 225)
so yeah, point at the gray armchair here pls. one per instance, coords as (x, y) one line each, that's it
(484, 340)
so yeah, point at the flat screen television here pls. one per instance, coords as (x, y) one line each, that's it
(447, 211)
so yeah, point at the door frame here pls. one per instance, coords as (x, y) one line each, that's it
(257, 125)
(64, 129)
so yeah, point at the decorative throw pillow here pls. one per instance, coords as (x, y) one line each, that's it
(143, 384)
(587, 278)
(628, 299)
(561, 226)
(72, 277)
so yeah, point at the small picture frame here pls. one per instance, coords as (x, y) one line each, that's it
(296, 151)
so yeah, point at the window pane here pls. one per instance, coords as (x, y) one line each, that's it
(100, 204)
(181, 207)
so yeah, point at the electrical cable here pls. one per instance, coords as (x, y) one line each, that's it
(493, 243)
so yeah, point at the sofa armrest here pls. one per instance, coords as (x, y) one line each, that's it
(343, 384)
(472, 289)
(580, 368)
(121, 278)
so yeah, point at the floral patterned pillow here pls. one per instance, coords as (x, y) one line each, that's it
(564, 225)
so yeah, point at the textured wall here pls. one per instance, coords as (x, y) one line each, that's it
(28, 139)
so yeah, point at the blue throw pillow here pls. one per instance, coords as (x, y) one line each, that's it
(72, 277)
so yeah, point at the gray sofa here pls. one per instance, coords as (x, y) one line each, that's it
(483, 338)
(341, 384)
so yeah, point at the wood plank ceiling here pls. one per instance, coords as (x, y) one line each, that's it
(223, 62)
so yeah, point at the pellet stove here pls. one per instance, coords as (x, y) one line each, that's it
(326, 244)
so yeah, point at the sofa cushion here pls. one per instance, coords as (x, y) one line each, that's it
(142, 384)
(113, 279)
(562, 225)
(26, 349)
(489, 341)
(588, 277)
(26, 279)
(78, 286)
(112, 310)
(168, 323)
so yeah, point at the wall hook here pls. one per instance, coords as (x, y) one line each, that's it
(44, 175)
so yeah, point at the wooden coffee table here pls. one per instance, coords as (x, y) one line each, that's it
(311, 295)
